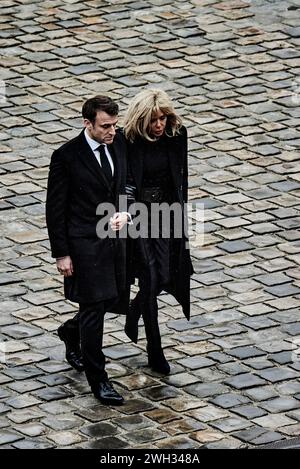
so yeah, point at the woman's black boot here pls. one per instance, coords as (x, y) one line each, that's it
(157, 361)
(132, 320)
(156, 358)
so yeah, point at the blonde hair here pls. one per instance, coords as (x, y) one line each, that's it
(141, 109)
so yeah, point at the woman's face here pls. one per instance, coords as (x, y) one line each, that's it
(158, 124)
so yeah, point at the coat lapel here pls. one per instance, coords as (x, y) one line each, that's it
(175, 156)
(116, 154)
(136, 154)
(87, 156)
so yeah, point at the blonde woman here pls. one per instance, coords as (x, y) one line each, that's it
(157, 161)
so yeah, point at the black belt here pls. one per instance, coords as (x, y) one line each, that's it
(152, 194)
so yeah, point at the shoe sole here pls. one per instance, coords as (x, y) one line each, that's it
(62, 338)
(104, 402)
(80, 370)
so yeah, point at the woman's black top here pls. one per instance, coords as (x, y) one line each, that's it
(156, 168)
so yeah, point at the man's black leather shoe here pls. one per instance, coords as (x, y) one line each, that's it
(73, 354)
(106, 394)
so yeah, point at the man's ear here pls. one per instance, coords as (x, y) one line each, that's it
(87, 124)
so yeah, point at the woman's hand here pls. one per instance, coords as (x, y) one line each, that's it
(119, 220)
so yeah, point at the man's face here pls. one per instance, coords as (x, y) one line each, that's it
(104, 128)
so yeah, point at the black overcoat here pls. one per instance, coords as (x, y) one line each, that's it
(177, 153)
(76, 186)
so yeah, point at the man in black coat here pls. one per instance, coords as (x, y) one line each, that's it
(86, 174)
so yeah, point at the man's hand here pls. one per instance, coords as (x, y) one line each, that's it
(65, 266)
(118, 220)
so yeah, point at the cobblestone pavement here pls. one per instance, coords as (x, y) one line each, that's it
(233, 69)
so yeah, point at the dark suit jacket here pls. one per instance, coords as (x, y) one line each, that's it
(76, 186)
(177, 152)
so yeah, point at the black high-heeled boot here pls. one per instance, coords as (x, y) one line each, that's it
(157, 361)
(156, 358)
(132, 320)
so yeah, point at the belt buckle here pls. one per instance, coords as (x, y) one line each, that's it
(156, 195)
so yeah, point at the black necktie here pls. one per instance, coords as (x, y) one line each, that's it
(105, 163)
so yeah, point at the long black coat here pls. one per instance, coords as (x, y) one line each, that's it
(177, 153)
(76, 186)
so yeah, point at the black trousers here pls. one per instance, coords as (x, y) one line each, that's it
(86, 329)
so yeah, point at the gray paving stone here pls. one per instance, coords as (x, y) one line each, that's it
(235, 246)
(258, 363)
(106, 443)
(53, 366)
(286, 316)
(293, 329)
(219, 357)
(25, 386)
(32, 444)
(226, 443)
(290, 387)
(228, 400)
(223, 316)
(283, 290)
(274, 421)
(277, 374)
(245, 380)
(205, 390)
(224, 331)
(24, 372)
(182, 324)
(145, 435)
(230, 424)
(62, 422)
(64, 438)
(53, 393)
(212, 278)
(248, 411)
(3, 408)
(196, 362)
(131, 422)
(137, 405)
(250, 434)
(294, 414)
(280, 404)
(157, 393)
(246, 352)
(207, 375)
(99, 430)
(268, 437)
(282, 358)
(95, 414)
(31, 429)
(273, 279)
(23, 401)
(120, 351)
(9, 437)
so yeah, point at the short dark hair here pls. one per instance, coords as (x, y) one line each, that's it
(99, 103)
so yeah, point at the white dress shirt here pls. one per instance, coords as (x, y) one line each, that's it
(94, 145)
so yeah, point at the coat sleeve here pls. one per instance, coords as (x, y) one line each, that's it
(57, 206)
(185, 166)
